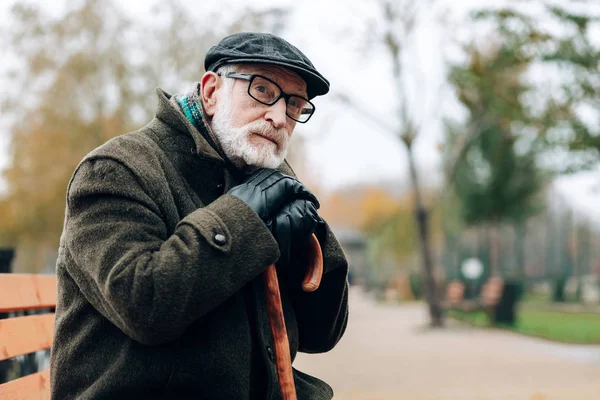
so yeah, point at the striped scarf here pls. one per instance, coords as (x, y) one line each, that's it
(191, 105)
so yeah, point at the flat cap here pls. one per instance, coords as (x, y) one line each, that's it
(265, 48)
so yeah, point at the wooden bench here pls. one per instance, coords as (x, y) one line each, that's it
(28, 334)
(491, 292)
(455, 294)
(489, 297)
(499, 299)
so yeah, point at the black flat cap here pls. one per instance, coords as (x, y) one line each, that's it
(265, 48)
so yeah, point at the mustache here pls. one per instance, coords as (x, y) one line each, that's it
(263, 128)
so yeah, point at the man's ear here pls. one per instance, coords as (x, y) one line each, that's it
(210, 82)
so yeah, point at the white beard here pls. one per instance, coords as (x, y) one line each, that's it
(242, 145)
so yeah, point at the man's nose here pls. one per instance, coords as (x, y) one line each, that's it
(276, 114)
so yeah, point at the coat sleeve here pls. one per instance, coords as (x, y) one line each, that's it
(149, 283)
(322, 315)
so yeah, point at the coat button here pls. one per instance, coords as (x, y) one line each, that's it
(220, 239)
(270, 353)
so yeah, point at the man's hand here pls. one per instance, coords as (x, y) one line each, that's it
(266, 191)
(293, 226)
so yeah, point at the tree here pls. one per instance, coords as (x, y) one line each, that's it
(79, 80)
(394, 37)
(400, 20)
(495, 182)
(566, 103)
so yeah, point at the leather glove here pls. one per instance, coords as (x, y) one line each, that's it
(292, 227)
(266, 191)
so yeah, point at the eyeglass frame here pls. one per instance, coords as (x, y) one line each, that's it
(286, 96)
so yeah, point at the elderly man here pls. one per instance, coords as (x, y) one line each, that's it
(168, 231)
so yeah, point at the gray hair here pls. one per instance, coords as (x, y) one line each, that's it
(224, 70)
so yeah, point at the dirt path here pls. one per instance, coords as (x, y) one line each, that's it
(386, 354)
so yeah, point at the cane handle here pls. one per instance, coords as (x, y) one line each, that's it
(314, 270)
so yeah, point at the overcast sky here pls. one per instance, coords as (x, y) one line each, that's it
(345, 147)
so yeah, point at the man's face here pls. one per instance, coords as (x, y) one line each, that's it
(251, 133)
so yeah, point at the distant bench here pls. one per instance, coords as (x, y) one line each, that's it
(28, 334)
(490, 296)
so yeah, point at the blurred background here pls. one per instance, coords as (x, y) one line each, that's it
(456, 157)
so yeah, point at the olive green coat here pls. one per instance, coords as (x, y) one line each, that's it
(151, 305)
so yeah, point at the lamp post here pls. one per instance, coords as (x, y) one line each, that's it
(472, 269)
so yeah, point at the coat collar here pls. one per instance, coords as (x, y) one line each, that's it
(168, 113)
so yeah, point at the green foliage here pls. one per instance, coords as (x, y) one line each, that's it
(513, 123)
(494, 181)
(575, 60)
(581, 21)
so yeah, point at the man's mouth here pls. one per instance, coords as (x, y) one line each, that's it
(267, 138)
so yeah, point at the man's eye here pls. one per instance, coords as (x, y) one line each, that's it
(296, 102)
(262, 89)
(263, 92)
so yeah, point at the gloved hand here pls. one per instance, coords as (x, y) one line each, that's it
(292, 227)
(266, 191)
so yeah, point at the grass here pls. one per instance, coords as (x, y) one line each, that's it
(557, 326)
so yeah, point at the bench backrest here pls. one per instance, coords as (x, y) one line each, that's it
(491, 291)
(24, 335)
(455, 292)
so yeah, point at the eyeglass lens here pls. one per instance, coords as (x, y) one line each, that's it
(267, 92)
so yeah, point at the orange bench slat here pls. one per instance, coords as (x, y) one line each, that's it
(27, 292)
(23, 335)
(35, 386)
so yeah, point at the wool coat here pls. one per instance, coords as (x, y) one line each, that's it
(160, 293)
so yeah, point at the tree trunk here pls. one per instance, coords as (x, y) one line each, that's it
(422, 216)
(520, 235)
(584, 257)
(576, 257)
(493, 247)
(550, 247)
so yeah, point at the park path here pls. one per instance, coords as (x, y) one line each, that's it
(388, 354)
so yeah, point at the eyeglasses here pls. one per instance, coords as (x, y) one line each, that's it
(267, 92)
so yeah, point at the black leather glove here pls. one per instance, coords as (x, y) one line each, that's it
(266, 191)
(292, 227)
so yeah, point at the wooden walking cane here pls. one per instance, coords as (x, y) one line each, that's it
(311, 282)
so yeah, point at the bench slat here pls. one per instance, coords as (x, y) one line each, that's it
(35, 386)
(27, 292)
(23, 335)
